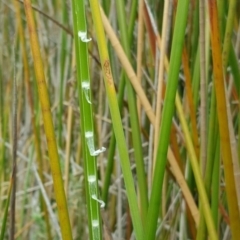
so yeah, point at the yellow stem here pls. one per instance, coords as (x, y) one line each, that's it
(48, 125)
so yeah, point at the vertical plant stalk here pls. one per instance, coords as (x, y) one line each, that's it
(2, 126)
(69, 129)
(223, 121)
(160, 79)
(112, 144)
(134, 120)
(189, 92)
(33, 121)
(68, 144)
(14, 158)
(197, 173)
(196, 78)
(182, 183)
(148, 20)
(227, 47)
(62, 72)
(216, 185)
(203, 113)
(193, 120)
(159, 96)
(116, 119)
(48, 125)
(228, 33)
(236, 75)
(203, 86)
(140, 48)
(100, 112)
(212, 153)
(235, 161)
(5, 215)
(168, 109)
(133, 78)
(192, 116)
(128, 68)
(87, 124)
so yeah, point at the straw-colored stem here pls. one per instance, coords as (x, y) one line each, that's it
(228, 32)
(199, 181)
(14, 156)
(116, 120)
(48, 125)
(223, 121)
(30, 101)
(182, 183)
(68, 145)
(190, 99)
(128, 68)
(160, 79)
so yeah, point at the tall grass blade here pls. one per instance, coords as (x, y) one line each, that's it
(223, 121)
(31, 104)
(4, 220)
(168, 108)
(87, 124)
(134, 120)
(116, 120)
(14, 156)
(48, 125)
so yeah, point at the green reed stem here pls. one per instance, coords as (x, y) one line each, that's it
(136, 137)
(167, 114)
(116, 120)
(87, 122)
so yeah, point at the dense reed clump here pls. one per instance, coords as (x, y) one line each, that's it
(120, 119)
